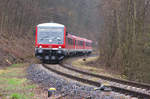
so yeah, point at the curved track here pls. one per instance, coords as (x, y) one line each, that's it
(122, 86)
(138, 89)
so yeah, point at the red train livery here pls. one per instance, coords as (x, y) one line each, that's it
(53, 43)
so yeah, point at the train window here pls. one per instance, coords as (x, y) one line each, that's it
(50, 35)
(80, 43)
(88, 44)
(70, 41)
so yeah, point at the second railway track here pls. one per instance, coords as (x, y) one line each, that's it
(122, 86)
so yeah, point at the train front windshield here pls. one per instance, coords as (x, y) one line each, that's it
(50, 35)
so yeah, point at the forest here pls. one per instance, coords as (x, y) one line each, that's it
(125, 38)
(121, 28)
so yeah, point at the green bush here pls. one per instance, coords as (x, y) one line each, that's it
(17, 96)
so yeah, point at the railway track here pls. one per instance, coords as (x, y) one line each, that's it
(121, 86)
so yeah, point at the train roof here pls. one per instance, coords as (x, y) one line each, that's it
(50, 25)
(79, 38)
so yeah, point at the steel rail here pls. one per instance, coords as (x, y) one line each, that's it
(97, 84)
(126, 82)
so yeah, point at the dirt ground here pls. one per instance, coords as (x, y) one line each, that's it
(14, 85)
(15, 50)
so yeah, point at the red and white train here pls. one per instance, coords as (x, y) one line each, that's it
(53, 43)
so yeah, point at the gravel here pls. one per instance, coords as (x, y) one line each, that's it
(73, 89)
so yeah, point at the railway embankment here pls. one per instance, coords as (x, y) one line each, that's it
(64, 86)
(15, 50)
(15, 85)
(69, 85)
(86, 65)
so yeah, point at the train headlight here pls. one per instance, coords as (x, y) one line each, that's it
(59, 47)
(40, 47)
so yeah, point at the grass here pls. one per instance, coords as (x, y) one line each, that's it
(15, 65)
(82, 65)
(18, 96)
(14, 85)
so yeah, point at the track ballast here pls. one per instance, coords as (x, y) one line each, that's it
(126, 91)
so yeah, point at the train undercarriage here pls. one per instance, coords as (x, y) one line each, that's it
(50, 56)
(56, 56)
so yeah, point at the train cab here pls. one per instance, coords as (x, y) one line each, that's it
(50, 40)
